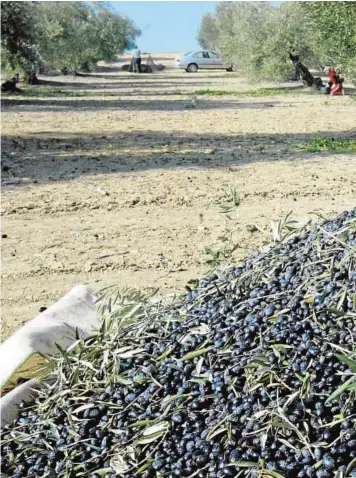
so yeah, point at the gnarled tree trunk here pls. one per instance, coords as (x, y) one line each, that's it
(32, 79)
(302, 72)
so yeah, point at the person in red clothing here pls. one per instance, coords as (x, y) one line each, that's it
(337, 88)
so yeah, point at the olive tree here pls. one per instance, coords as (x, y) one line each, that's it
(69, 34)
(244, 33)
(114, 33)
(288, 30)
(257, 37)
(208, 35)
(66, 34)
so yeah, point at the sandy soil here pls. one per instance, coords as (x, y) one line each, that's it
(115, 179)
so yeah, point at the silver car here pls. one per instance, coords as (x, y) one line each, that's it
(202, 59)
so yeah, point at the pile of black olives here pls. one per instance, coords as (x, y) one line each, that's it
(242, 377)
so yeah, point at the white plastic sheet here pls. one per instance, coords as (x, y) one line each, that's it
(74, 314)
(26, 392)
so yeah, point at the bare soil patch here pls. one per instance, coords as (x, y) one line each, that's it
(116, 178)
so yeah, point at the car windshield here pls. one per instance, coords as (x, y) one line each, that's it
(188, 53)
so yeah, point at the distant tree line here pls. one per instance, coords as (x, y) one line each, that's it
(257, 37)
(70, 35)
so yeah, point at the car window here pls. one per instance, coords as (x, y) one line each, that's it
(205, 54)
(213, 55)
(199, 54)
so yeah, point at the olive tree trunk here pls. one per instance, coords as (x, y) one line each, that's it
(302, 72)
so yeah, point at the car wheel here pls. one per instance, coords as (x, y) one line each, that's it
(192, 68)
(232, 68)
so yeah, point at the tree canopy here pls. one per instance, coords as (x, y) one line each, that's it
(65, 34)
(208, 35)
(18, 33)
(335, 25)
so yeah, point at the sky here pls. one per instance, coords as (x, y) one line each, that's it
(166, 26)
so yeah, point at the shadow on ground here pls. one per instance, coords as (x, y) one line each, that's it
(50, 156)
(38, 105)
(120, 82)
(54, 156)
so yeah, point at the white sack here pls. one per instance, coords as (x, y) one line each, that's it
(58, 324)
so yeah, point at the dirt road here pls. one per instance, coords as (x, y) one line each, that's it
(118, 179)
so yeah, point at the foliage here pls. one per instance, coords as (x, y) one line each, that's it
(245, 31)
(224, 22)
(324, 144)
(66, 34)
(18, 35)
(336, 29)
(78, 36)
(114, 33)
(257, 37)
(208, 36)
(289, 30)
(260, 37)
(223, 249)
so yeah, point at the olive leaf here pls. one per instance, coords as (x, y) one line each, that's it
(196, 353)
(244, 464)
(118, 464)
(350, 384)
(347, 360)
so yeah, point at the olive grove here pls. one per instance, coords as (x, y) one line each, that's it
(257, 36)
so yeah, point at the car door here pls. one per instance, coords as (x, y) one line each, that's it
(215, 61)
(202, 59)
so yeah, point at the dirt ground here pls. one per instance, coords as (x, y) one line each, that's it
(116, 178)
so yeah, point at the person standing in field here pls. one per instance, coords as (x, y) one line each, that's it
(136, 59)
